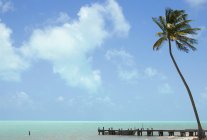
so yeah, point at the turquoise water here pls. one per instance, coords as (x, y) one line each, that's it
(64, 130)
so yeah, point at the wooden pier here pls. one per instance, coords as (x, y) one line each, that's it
(149, 132)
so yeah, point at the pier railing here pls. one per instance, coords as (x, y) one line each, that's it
(149, 132)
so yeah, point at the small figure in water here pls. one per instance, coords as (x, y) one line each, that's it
(29, 133)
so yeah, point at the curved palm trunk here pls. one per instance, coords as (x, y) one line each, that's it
(201, 133)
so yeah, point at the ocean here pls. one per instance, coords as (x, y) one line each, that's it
(81, 130)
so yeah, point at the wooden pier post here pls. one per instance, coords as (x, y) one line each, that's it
(182, 133)
(149, 132)
(138, 132)
(103, 131)
(152, 131)
(110, 131)
(191, 133)
(160, 133)
(171, 133)
(98, 131)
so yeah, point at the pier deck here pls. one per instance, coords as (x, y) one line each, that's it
(149, 132)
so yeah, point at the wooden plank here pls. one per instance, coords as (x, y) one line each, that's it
(149, 132)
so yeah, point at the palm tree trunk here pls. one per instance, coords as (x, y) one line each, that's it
(201, 133)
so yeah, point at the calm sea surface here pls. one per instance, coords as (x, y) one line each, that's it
(64, 130)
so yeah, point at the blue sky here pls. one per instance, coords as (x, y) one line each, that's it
(93, 60)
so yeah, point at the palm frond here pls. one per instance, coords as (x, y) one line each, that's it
(176, 27)
(161, 34)
(159, 24)
(168, 12)
(182, 25)
(190, 31)
(175, 16)
(189, 45)
(162, 21)
(187, 39)
(159, 43)
(179, 16)
(188, 42)
(181, 47)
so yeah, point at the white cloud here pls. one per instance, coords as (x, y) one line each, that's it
(11, 64)
(165, 89)
(104, 99)
(59, 19)
(21, 99)
(128, 75)
(121, 26)
(5, 6)
(196, 3)
(120, 57)
(107, 100)
(63, 17)
(68, 46)
(150, 72)
(17, 101)
(92, 101)
(60, 99)
(126, 66)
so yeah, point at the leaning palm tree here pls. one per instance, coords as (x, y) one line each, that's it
(175, 27)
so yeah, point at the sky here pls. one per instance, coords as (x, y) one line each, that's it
(92, 60)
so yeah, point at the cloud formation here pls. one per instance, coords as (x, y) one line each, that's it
(17, 101)
(5, 6)
(21, 99)
(165, 89)
(196, 3)
(126, 66)
(11, 64)
(128, 75)
(120, 57)
(68, 45)
(60, 99)
(150, 72)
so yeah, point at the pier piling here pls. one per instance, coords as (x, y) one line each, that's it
(148, 132)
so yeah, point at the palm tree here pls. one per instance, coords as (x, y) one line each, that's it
(175, 27)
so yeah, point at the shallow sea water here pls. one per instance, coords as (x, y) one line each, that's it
(66, 130)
